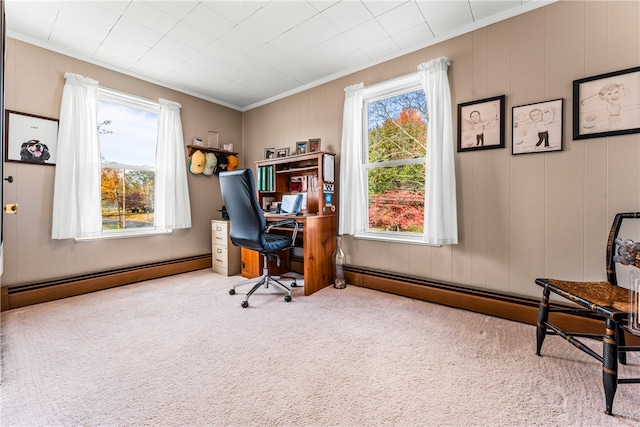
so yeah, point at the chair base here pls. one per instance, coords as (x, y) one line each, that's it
(264, 281)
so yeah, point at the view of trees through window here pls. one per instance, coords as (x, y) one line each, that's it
(397, 144)
(128, 138)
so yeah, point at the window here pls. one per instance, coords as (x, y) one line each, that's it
(127, 134)
(395, 144)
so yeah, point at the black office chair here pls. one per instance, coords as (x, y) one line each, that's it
(249, 228)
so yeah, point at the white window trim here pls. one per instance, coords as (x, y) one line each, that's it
(373, 93)
(120, 234)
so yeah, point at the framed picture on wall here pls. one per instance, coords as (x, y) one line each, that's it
(538, 127)
(481, 124)
(30, 138)
(607, 104)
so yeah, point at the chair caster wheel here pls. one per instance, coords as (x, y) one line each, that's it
(232, 291)
(245, 304)
(294, 284)
(287, 298)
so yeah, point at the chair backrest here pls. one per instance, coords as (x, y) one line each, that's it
(247, 219)
(623, 248)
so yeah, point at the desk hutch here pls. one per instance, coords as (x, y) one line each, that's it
(313, 176)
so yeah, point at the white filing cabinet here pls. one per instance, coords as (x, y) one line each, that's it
(225, 256)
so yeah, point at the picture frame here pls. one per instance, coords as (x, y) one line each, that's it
(481, 124)
(269, 153)
(537, 127)
(314, 145)
(282, 152)
(607, 104)
(301, 147)
(30, 138)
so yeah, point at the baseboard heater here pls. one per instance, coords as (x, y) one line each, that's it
(511, 307)
(15, 296)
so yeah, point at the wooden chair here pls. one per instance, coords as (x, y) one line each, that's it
(601, 300)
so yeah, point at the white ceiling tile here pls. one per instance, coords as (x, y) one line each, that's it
(174, 48)
(378, 7)
(382, 49)
(125, 45)
(242, 40)
(288, 13)
(367, 34)
(178, 9)
(80, 27)
(131, 30)
(115, 57)
(402, 17)
(235, 11)
(190, 36)
(75, 43)
(444, 17)
(321, 5)
(31, 27)
(417, 37)
(208, 21)
(347, 14)
(117, 6)
(92, 13)
(43, 11)
(151, 17)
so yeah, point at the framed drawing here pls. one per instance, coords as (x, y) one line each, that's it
(301, 147)
(314, 145)
(30, 139)
(282, 152)
(481, 124)
(607, 104)
(269, 153)
(538, 127)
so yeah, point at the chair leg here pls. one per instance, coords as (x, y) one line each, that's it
(610, 365)
(543, 317)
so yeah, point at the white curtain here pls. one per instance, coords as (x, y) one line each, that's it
(353, 201)
(172, 205)
(76, 190)
(440, 216)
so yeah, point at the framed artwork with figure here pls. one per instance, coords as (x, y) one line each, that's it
(537, 127)
(607, 104)
(481, 124)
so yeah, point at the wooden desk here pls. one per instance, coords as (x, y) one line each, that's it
(318, 235)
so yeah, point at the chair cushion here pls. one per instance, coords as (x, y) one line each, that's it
(276, 242)
(602, 294)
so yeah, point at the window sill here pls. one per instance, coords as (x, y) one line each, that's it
(124, 235)
(381, 237)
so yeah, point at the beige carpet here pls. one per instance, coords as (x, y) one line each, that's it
(180, 351)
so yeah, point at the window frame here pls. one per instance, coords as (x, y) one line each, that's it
(136, 102)
(387, 89)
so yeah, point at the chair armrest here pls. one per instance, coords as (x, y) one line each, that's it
(286, 222)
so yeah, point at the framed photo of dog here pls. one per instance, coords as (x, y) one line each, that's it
(30, 139)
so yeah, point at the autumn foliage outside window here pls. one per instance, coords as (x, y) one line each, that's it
(397, 143)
